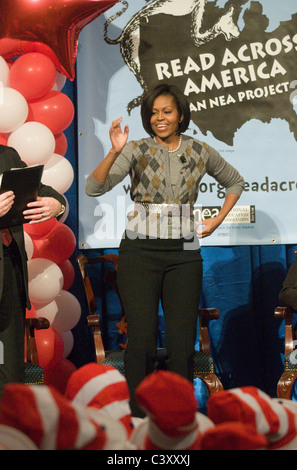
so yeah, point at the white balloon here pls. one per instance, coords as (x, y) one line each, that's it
(29, 247)
(68, 342)
(48, 310)
(45, 280)
(58, 173)
(13, 109)
(4, 72)
(68, 312)
(34, 142)
(63, 312)
(60, 82)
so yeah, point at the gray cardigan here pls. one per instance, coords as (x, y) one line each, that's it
(160, 177)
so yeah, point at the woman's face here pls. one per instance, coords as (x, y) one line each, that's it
(165, 118)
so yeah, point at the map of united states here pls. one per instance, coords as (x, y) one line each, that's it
(228, 81)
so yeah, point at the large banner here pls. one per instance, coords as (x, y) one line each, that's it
(236, 63)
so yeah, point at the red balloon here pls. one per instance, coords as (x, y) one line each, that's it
(59, 375)
(40, 229)
(57, 246)
(61, 144)
(33, 75)
(50, 27)
(68, 274)
(3, 139)
(31, 313)
(55, 110)
(50, 347)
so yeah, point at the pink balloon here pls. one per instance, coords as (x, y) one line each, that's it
(55, 110)
(49, 347)
(57, 246)
(61, 144)
(33, 75)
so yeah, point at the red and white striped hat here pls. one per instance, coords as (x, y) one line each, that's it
(102, 387)
(172, 420)
(232, 436)
(259, 412)
(13, 439)
(53, 423)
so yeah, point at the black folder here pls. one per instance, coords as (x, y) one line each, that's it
(24, 182)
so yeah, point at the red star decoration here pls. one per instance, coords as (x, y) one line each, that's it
(51, 27)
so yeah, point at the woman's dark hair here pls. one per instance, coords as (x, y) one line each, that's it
(180, 101)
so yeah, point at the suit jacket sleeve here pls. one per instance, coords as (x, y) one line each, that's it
(9, 158)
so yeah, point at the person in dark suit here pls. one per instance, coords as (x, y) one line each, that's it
(14, 298)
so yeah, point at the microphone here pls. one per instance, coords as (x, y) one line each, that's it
(182, 159)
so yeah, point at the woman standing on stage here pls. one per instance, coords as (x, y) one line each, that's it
(159, 255)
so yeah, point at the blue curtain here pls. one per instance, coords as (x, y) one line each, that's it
(242, 282)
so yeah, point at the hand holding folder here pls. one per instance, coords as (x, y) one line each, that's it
(24, 182)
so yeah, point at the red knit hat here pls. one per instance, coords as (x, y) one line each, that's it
(102, 387)
(232, 436)
(54, 423)
(262, 414)
(172, 420)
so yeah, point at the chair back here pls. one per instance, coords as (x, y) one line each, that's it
(93, 318)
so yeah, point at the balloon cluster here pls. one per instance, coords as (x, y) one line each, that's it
(34, 113)
(50, 27)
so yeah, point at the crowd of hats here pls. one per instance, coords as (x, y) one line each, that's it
(94, 414)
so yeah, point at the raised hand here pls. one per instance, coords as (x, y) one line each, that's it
(117, 136)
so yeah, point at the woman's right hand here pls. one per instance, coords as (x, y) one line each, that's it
(118, 141)
(6, 202)
(117, 137)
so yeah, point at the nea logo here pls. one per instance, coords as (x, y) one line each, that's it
(202, 213)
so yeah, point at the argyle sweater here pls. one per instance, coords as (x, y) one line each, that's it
(160, 177)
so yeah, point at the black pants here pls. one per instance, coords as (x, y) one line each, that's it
(150, 270)
(12, 317)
